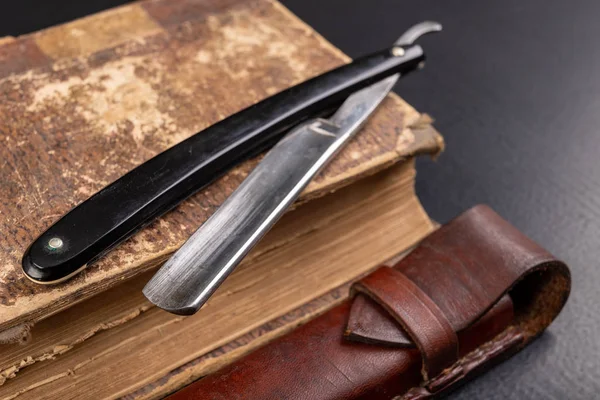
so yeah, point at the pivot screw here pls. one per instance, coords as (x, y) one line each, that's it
(55, 243)
(397, 51)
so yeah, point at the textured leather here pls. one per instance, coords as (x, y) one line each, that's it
(416, 313)
(494, 288)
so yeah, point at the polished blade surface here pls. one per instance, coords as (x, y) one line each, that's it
(195, 271)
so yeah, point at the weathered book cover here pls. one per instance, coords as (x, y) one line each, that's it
(83, 103)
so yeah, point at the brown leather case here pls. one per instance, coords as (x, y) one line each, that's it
(471, 294)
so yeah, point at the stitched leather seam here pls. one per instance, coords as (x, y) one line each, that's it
(506, 340)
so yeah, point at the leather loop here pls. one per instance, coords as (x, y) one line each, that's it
(420, 317)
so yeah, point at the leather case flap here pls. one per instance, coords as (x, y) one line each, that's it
(449, 282)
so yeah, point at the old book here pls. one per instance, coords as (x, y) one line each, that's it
(86, 101)
(103, 94)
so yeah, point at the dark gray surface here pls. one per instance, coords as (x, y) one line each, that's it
(514, 87)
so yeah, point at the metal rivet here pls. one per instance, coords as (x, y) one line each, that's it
(397, 51)
(421, 65)
(55, 243)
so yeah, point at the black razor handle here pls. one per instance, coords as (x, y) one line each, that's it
(117, 211)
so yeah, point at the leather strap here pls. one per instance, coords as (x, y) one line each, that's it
(466, 267)
(420, 317)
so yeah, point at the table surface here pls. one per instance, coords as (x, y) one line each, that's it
(514, 86)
